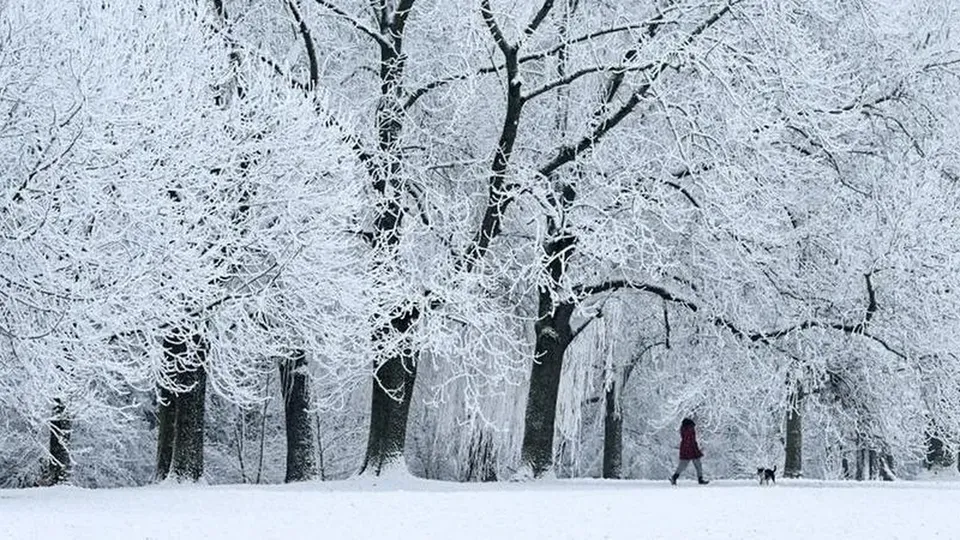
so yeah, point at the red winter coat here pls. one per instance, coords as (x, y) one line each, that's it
(688, 443)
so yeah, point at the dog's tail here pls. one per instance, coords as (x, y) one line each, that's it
(774, 468)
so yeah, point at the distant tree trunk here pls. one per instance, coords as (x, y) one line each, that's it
(886, 468)
(301, 454)
(793, 466)
(879, 466)
(263, 432)
(553, 337)
(58, 469)
(166, 423)
(392, 394)
(860, 463)
(322, 469)
(938, 455)
(240, 432)
(612, 435)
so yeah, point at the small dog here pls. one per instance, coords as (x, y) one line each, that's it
(767, 475)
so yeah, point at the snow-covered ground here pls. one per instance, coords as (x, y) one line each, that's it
(412, 509)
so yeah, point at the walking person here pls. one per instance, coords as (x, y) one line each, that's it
(689, 451)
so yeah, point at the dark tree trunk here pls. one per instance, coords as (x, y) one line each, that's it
(395, 376)
(879, 465)
(612, 436)
(482, 464)
(58, 469)
(180, 416)
(166, 423)
(301, 453)
(392, 394)
(793, 466)
(938, 455)
(553, 338)
(187, 463)
(388, 414)
(886, 467)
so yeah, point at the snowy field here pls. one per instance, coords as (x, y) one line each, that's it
(413, 509)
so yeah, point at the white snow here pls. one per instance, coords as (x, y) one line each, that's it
(409, 508)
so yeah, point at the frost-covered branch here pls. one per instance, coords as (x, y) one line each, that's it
(353, 21)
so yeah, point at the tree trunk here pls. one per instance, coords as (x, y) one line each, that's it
(392, 390)
(886, 468)
(321, 470)
(553, 338)
(612, 436)
(180, 416)
(301, 454)
(394, 378)
(166, 422)
(874, 465)
(938, 455)
(392, 394)
(793, 466)
(58, 469)
(482, 464)
(187, 462)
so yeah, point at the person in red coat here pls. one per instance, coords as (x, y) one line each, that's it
(689, 451)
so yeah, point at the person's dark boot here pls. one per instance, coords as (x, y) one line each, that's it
(673, 479)
(702, 482)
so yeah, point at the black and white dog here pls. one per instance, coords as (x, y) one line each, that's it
(767, 475)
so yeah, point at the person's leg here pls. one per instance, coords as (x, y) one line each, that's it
(696, 465)
(680, 467)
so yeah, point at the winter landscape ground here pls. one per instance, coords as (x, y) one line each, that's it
(411, 508)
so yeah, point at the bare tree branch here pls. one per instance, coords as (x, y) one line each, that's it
(304, 31)
(538, 18)
(486, 12)
(377, 36)
(563, 81)
(414, 96)
(569, 153)
(765, 337)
